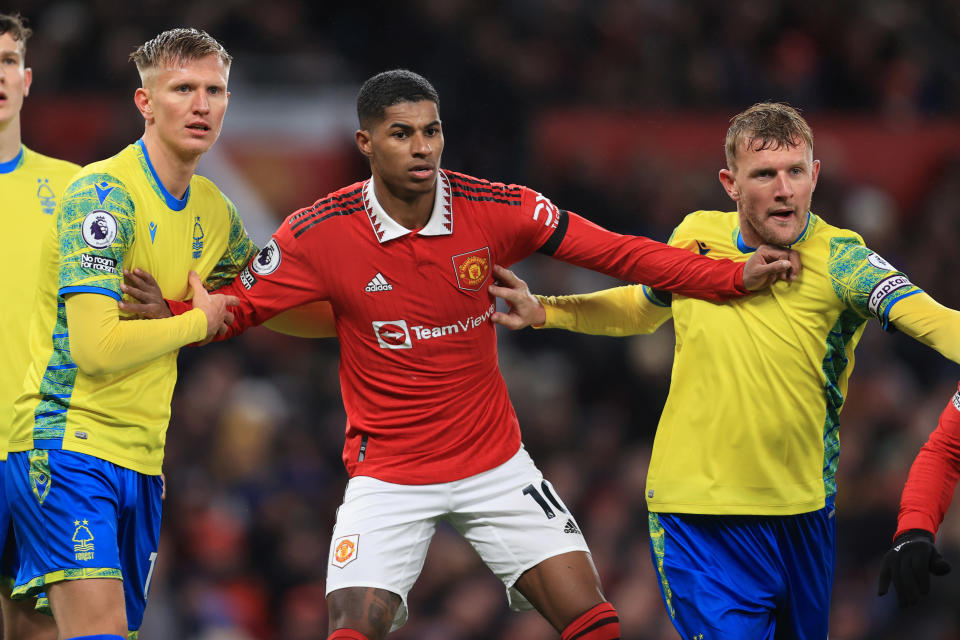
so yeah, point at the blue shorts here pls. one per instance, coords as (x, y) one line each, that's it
(737, 577)
(8, 545)
(77, 516)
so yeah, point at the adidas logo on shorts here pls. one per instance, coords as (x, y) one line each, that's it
(378, 283)
(571, 526)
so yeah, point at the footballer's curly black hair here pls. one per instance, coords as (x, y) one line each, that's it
(389, 88)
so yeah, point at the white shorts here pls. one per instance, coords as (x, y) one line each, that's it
(510, 515)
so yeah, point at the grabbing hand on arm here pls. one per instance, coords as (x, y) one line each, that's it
(524, 309)
(100, 343)
(214, 306)
(149, 305)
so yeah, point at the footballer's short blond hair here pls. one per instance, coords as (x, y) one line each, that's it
(766, 125)
(176, 46)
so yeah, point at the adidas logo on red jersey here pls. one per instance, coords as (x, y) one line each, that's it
(378, 283)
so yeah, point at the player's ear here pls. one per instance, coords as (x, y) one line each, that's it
(815, 172)
(730, 184)
(364, 142)
(141, 98)
(27, 80)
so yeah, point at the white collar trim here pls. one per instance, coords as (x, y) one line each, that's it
(386, 228)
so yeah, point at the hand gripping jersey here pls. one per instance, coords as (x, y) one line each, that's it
(117, 215)
(423, 393)
(750, 425)
(30, 188)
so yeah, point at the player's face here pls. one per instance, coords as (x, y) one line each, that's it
(186, 102)
(14, 79)
(772, 189)
(405, 147)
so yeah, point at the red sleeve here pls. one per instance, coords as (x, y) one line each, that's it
(281, 276)
(642, 260)
(179, 307)
(933, 476)
(278, 278)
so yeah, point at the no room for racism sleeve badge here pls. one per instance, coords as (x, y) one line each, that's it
(472, 268)
(345, 550)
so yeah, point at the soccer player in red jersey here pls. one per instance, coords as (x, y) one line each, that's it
(405, 259)
(925, 500)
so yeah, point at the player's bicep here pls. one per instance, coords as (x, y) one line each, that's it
(313, 320)
(279, 277)
(866, 282)
(95, 229)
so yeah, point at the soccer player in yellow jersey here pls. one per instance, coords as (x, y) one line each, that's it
(83, 475)
(741, 483)
(30, 185)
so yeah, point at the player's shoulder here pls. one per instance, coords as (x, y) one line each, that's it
(836, 245)
(472, 189)
(833, 234)
(49, 164)
(708, 221)
(204, 187)
(115, 169)
(339, 205)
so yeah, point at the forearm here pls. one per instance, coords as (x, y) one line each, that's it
(933, 476)
(314, 320)
(924, 319)
(639, 259)
(100, 343)
(621, 311)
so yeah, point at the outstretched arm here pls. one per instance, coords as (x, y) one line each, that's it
(100, 343)
(620, 311)
(313, 320)
(933, 475)
(926, 320)
(662, 267)
(925, 500)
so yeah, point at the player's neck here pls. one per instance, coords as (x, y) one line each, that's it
(9, 140)
(410, 211)
(173, 170)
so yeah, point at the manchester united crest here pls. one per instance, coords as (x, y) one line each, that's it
(472, 268)
(344, 550)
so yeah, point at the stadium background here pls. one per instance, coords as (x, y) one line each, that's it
(613, 108)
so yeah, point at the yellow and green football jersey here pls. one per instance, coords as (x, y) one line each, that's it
(117, 215)
(30, 187)
(750, 425)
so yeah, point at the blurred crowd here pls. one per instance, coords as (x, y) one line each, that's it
(253, 455)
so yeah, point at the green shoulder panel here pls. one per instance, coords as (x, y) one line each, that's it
(96, 228)
(865, 282)
(240, 250)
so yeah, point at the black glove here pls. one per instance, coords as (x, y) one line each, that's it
(909, 564)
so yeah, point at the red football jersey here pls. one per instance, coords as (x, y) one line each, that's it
(933, 475)
(423, 393)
